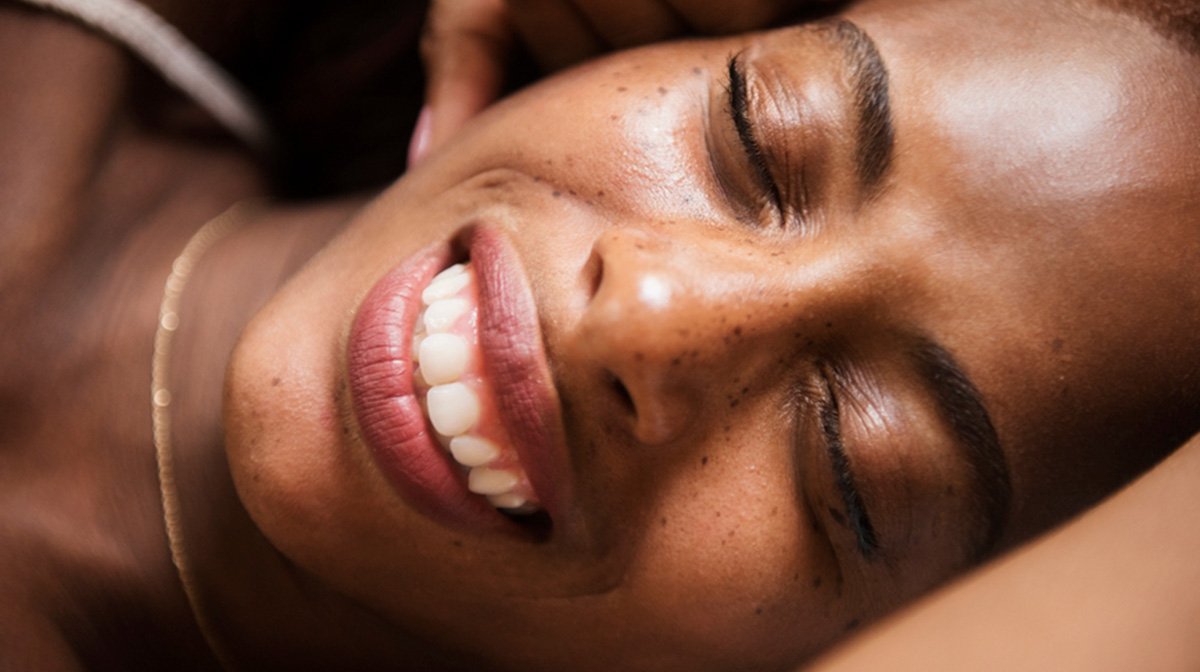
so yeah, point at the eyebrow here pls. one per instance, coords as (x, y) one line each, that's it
(961, 407)
(872, 104)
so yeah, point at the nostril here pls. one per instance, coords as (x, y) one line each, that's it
(622, 391)
(594, 272)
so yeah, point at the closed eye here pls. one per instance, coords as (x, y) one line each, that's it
(857, 517)
(739, 113)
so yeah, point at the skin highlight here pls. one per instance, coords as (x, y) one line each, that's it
(1030, 221)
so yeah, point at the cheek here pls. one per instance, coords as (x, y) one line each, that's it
(625, 133)
(731, 562)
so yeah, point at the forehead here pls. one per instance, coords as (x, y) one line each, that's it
(1044, 186)
(1056, 104)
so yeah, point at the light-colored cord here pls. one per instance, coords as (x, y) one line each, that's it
(160, 416)
(179, 61)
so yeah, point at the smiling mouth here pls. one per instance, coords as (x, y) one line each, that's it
(455, 397)
(452, 393)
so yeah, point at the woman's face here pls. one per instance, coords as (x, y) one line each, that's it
(784, 339)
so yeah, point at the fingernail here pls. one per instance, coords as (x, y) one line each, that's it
(418, 146)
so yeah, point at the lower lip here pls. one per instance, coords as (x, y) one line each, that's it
(389, 415)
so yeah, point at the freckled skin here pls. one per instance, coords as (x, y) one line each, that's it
(703, 497)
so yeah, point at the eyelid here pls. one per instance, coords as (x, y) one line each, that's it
(856, 511)
(739, 112)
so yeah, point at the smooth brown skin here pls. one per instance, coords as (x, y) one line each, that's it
(688, 545)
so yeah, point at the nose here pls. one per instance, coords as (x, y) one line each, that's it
(678, 329)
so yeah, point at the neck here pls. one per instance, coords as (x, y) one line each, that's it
(252, 601)
(92, 221)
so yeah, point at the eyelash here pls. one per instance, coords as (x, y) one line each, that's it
(739, 113)
(856, 512)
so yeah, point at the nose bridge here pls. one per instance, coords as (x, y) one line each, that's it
(675, 320)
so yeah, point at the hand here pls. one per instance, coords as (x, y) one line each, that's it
(467, 43)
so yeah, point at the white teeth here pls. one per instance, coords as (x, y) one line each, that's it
(508, 500)
(473, 451)
(442, 351)
(443, 358)
(453, 408)
(441, 315)
(450, 272)
(416, 347)
(446, 284)
(485, 481)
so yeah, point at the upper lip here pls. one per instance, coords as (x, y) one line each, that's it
(514, 358)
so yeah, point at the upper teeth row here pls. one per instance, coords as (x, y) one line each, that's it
(452, 405)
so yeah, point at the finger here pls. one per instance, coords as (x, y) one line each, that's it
(465, 48)
(556, 32)
(632, 22)
(721, 18)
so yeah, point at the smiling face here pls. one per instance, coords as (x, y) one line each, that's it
(778, 355)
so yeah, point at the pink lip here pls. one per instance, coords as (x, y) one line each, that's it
(380, 367)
